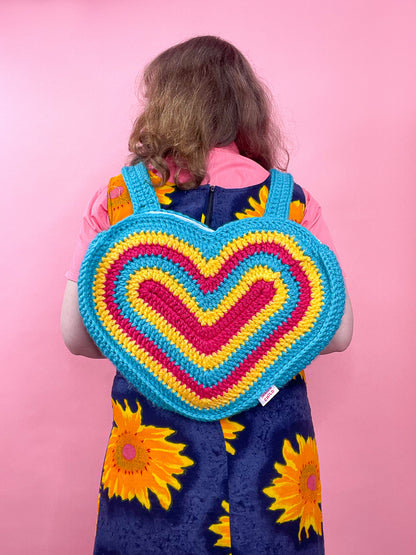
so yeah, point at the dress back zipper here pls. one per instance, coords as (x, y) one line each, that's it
(210, 206)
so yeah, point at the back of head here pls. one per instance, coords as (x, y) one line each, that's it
(201, 94)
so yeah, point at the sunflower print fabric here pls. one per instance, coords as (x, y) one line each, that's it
(140, 459)
(245, 485)
(257, 207)
(297, 491)
(222, 527)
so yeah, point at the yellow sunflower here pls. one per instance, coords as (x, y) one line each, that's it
(98, 509)
(257, 206)
(296, 211)
(222, 527)
(301, 374)
(163, 190)
(297, 491)
(230, 429)
(139, 459)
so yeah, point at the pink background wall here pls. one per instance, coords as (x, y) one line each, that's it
(343, 76)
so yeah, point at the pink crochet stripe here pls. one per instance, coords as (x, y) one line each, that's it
(206, 339)
(207, 284)
(247, 364)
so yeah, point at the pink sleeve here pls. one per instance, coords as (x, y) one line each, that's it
(94, 220)
(314, 221)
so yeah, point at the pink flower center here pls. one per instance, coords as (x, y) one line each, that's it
(116, 192)
(311, 482)
(129, 452)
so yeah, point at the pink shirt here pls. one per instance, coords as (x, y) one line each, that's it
(225, 168)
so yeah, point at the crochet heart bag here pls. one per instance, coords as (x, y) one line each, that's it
(203, 322)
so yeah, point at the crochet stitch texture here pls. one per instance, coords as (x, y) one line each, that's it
(202, 322)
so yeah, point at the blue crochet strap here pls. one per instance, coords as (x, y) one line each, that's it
(142, 192)
(280, 196)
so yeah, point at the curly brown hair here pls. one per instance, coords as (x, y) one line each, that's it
(201, 94)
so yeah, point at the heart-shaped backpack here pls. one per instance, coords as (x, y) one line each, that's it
(203, 322)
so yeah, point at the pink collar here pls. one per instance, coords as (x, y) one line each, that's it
(226, 168)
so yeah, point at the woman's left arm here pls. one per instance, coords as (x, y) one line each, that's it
(75, 335)
(315, 223)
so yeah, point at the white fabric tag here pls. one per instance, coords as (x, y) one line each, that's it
(268, 394)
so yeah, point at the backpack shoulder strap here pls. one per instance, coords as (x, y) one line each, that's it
(280, 195)
(142, 192)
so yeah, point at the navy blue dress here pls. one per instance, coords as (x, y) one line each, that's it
(246, 485)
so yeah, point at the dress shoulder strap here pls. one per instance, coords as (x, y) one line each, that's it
(118, 200)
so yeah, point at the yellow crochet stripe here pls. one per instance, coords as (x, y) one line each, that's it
(211, 267)
(208, 268)
(257, 371)
(206, 317)
(206, 362)
(221, 400)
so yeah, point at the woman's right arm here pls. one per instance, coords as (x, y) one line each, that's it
(343, 335)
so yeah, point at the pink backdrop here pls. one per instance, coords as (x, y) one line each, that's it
(343, 76)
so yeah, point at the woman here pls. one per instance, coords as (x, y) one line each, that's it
(244, 485)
